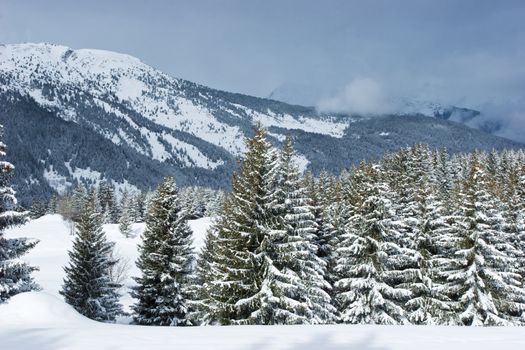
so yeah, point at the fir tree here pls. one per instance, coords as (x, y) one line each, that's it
(293, 286)
(78, 199)
(241, 228)
(165, 262)
(203, 288)
(126, 215)
(139, 207)
(483, 278)
(87, 285)
(52, 206)
(39, 208)
(107, 202)
(423, 215)
(367, 289)
(15, 274)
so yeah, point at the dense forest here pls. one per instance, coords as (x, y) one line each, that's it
(416, 237)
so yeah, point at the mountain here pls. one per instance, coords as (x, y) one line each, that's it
(90, 115)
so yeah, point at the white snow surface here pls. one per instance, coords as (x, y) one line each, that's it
(42, 320)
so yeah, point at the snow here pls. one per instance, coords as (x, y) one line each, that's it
(55, 180)
(192, 156)
(198, 121)
(41, 320)
(130, 89)
(61, 185)
(302, 162)
(324, 126)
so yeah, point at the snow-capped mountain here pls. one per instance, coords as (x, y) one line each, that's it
(86, 115)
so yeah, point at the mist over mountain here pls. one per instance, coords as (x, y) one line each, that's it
(91, 115)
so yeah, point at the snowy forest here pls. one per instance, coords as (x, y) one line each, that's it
(416, 237)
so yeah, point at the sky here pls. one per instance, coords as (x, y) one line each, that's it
(348, 56)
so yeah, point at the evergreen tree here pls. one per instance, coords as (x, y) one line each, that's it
(78, 199)
(107, 203)
(52, 207)
(139, 207)
(514, 214)
(126, 215)
(87, 285)
(484, 278)
(165, 262)
(15, 275)
(203, 288)
(367, 291)
(235, 291)
(423, 220)
(293, 287)
(39, 208)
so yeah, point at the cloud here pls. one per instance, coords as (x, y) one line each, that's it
(362, 96)
(508, 118)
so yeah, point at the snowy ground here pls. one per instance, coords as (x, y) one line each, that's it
(41, 320)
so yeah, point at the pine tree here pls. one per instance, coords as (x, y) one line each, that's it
(293, 286)
(422, 215)
(235, 290)
(107, 202)
(139, 207)
(165, 262)
(203, 288)
(367, 290)
(39, 208)
(484, 279)
(87, 285)
(514, 214)
(125, 219)
(78, 199)
(329, 219)
(15, 274)
(52, 206)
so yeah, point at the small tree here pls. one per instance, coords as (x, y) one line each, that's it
(165, 262)
(125, 219)
(15, 275)
(88, 286)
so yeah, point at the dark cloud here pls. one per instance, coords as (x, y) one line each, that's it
(468, 53)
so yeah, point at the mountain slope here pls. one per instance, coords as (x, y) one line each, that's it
(86, 115)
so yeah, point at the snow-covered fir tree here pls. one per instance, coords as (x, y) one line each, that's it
(165, 262)
(293, 288)
(15, 274)
(202, 308)
(126, 214)
(87, 285)
(328, 217)
(422, 215)
(107, 202)
(484, 277)
(138, 207)
(39, 208)
(239, 257)
(513, 198)
(79, 196)
(368, 290)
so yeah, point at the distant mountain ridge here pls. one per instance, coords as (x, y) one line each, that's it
(90, 115)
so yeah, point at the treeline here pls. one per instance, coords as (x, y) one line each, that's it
(125, 206)
(417, 237)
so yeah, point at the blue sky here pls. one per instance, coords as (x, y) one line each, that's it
(465, 52)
